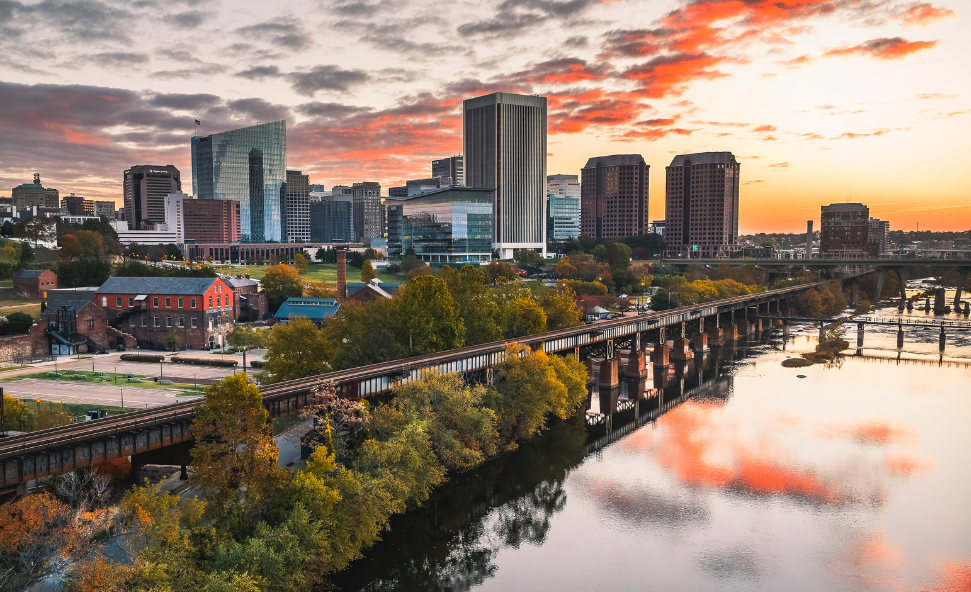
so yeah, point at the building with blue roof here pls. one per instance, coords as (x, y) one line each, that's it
(317, 310)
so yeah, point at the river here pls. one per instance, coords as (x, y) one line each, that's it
(849, 476)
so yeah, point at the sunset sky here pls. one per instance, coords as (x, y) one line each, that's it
(822, 100)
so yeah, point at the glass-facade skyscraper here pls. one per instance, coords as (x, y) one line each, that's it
(448, 225)
(247, 165)
(562, 207)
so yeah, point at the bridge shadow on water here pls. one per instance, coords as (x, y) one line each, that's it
(451, 542)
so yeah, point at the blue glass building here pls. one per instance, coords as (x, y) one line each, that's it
(448, 225)
(247, 165)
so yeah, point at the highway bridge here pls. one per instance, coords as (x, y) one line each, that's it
(161, 435)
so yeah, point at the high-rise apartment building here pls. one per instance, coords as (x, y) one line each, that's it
(504, 139)
(368, 221)
(451, 170)
(843, 231)
(297, 207)
(246, 165)
(701, 205)
(211, 220)
(175, 216)
(75, 205)
(614, 196)
(145, 189)
(877, 242)
(34, 194)
(332, 219)
(562, 207)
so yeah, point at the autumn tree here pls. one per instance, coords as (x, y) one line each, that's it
(529, 258)
(301, 262)
(320, 290)
(524, 316)
(367, 271)
(560, 306)
(235, 458)
(479, 312)
(429, 316)
(14, 411)
(565, 269)
(247, 337)
(367, 334)
(295, 350)
(279, 283)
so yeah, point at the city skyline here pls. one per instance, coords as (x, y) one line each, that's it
(822, 101)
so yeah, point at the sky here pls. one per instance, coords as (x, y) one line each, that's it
(822, 101)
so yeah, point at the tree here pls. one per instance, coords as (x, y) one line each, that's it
(564, 269)
(479, 312)
(172, 341)
(19, 322)
(367, 334)
(301, 262)
(524, 316)
(85, 272)
(295, 350)
(320, 290)
(367, 271)
(36, 229)
(279, 283)
(14, 411)
(430, 316)
(560, 306)
(410, 261)
(529, 258)
(235, 458)
(526, 390)
(247, 337)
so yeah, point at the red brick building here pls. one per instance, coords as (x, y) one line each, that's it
(211, 220)
(200, 311)
(34, 283)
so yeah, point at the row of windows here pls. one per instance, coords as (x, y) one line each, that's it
(168, 301)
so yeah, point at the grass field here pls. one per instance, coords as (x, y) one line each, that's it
(326, 272)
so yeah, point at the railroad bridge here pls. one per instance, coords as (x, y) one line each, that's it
(617, 347)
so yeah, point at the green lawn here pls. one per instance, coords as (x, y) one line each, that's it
(119, 379)
(326, 272)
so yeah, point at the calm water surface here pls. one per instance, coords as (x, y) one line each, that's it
(855, 477)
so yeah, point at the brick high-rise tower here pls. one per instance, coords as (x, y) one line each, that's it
(701, 205)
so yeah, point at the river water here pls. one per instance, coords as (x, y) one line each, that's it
(850, 476)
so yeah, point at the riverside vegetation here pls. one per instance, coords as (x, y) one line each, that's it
(260, 527)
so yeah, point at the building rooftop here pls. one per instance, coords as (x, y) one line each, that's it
(156, 285)
(844, 206)
(703, 158)
(30, 273)
(443, 190)
(315, 309)
(615, 160)
(237, 282)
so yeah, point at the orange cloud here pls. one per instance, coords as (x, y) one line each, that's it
(956, 577)
(764, 128)
(779, 165)
(922, 14)
(905, 465)
(668, 75)
(796, 62)
(886, 48)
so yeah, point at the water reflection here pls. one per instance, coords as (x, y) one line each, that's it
(722, 473)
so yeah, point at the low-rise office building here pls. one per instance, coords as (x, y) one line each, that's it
(449, 225)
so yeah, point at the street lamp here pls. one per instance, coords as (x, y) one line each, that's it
(116, 374)
(122, 399)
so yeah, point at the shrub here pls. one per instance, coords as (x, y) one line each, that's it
(142, 358)
(257, 364)
(19, 322)
(204, 361)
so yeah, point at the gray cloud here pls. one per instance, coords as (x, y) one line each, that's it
(577, 42)
(183, 102)
(321, 78)
(514, 16)
(116, 59)
(282, 34)
(260, 72)
(189, 19)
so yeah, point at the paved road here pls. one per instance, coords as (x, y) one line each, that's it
(91, 393)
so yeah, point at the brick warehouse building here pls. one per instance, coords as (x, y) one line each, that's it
(34, 283)
(199, 310)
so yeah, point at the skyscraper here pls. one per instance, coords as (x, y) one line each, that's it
(614, 196)
(332, 219)
(247, 165)
(368, 221)
(563, 207)
(450, 169)
(297, 207)
(844, 231)
(145, 190)
(504, 138)
(34, 194)
(877, 236)
(701, 204)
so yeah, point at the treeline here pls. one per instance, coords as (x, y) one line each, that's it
(428, 314)
(262, 528)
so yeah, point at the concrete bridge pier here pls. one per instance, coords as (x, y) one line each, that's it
(967, 309)
(636, 366)
(608, 400)
(900, 336)
(700, 342)
(741, 328)
(910, 305)
(957, 296)
(940, 307)
(681, 350)
(661, 357)
(941, 340)
(822, 332)
(609, 374)
(927, 304)
(879, 290)
(859, 334)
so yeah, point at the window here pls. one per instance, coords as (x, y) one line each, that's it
(131, 321)
(158, 321)
(104, 301)
(180, 303)
(219, 300)
(168, 303)
(118, 301)
(131, 302)
(192, 302)
(155, 302)
(210, 302)
(194, 322)
(90, 323)
(168, 321)
(144, 320)
(181, 320)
